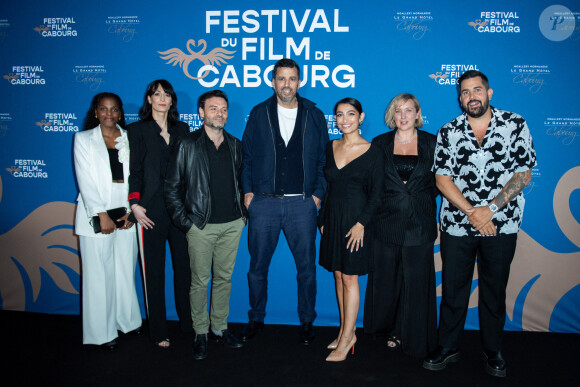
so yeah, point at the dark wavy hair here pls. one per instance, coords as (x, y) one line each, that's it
(210, 94)
(146, 112)
(91, 121)
(350, 101)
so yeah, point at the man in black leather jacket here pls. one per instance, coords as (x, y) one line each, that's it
(203, 196)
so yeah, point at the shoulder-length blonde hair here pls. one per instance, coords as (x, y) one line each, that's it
(402, 98)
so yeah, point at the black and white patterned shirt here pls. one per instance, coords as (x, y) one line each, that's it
(480, 173)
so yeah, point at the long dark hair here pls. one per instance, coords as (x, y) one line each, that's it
(91, 121)
(146, 112)
(350, 101)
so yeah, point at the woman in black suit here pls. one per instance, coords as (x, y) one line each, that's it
(400, 296)
(151, 141)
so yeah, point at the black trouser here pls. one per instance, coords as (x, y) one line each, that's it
(154, 241)
(494, 259)
(400, 297)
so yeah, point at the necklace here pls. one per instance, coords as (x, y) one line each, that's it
(405, 142)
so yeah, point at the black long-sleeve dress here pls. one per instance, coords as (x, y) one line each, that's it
(352, 196)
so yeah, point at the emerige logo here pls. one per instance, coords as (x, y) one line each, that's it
(214, 57)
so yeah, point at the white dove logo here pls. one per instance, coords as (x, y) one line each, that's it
(214, 57)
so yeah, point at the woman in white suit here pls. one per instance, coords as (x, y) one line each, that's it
(101, 157)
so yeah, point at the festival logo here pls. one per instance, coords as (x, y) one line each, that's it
(496, 22)
(90, 75)
(57, 27)
(331, 125)
(558, 23)
(450, 73)
(125, 27)
(532, 77)
(413, 23)
(26, 75)
(248, 33)
(28, 169)
(192, 119)
(59, 122)
(217, 56)
(564, 129)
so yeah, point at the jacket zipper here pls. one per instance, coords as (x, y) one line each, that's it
(274, 143)
(303, 167)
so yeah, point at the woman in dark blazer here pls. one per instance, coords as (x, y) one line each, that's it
(151, 140)
(400, 296)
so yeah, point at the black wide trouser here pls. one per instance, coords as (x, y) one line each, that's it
(400, 297)
(494, 257)
(154, 246)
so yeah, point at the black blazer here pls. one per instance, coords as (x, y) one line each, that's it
(146, 180)
(407, 216)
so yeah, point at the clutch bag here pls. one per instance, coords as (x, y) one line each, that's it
(114, 214)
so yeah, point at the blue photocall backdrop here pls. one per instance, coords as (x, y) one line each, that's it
(56, 55)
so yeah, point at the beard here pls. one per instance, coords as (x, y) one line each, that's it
(283, 98)
(214, 125)
(479, 110)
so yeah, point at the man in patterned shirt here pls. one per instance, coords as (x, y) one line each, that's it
(483, 161)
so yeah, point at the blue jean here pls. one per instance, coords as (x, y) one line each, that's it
(295, 216)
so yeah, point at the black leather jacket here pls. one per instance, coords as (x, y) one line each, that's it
(187, 194)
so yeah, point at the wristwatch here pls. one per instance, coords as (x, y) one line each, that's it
(493, 207)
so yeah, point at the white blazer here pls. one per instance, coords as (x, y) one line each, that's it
(94, 178)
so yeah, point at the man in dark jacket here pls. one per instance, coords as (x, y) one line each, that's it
(204, 199)
(283, 157)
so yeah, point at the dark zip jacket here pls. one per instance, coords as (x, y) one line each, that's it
(259, 148)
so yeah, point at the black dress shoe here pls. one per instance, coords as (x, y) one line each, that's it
(200, 347)
(110, 346)
(307, 333)
(440, 357)
(228, 338)
(136, 332)
(495, 364)
(251, 329)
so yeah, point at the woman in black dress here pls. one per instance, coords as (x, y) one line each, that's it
(353, 171)
(151, 140)
(400, 295)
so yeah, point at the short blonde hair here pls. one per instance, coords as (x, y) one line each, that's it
(390, 112)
